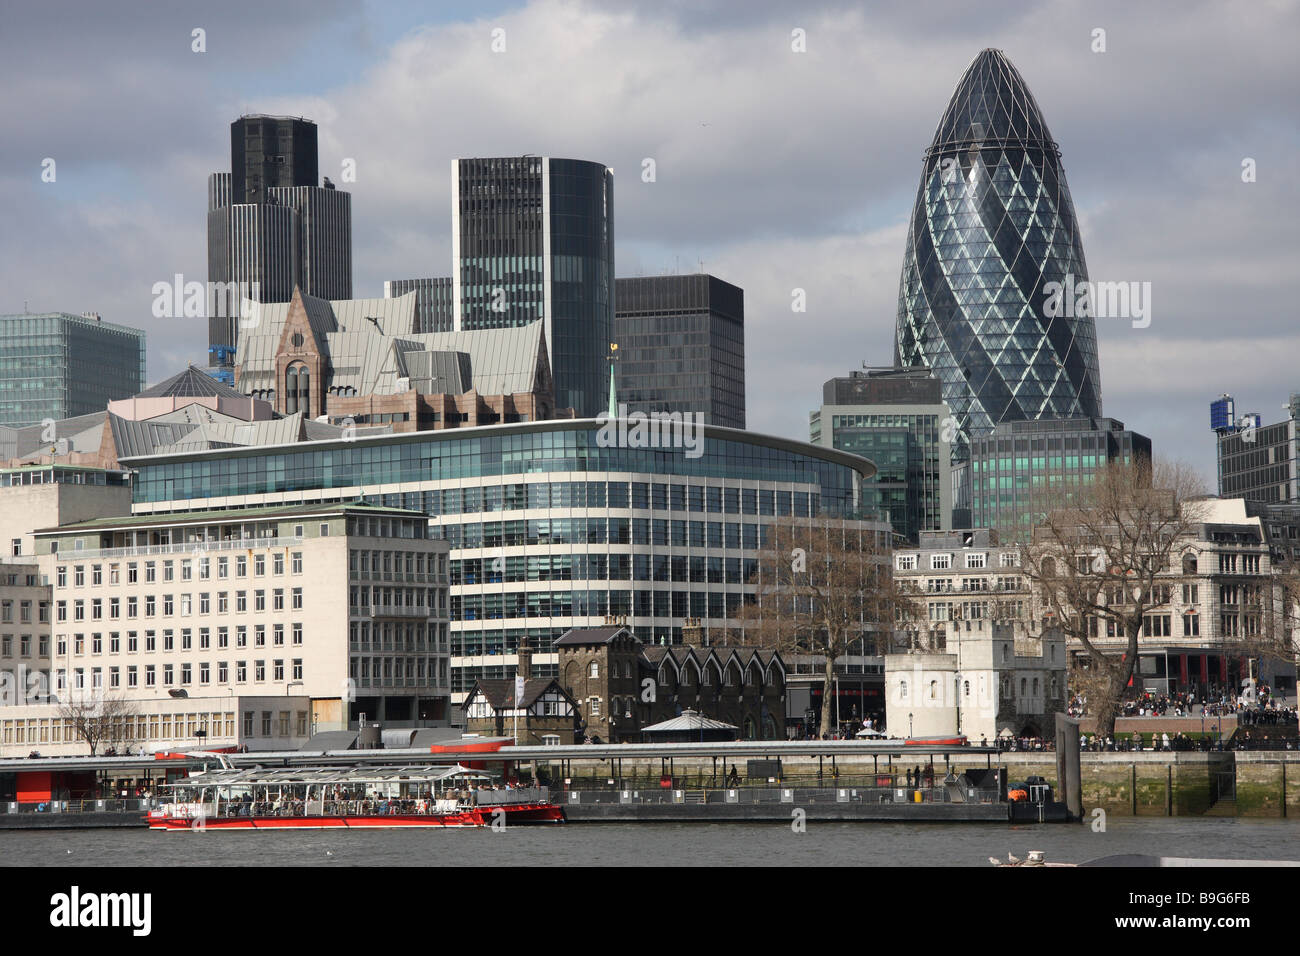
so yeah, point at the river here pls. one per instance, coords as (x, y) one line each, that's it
(660, 844)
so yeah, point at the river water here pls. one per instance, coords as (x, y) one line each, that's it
(660, 844)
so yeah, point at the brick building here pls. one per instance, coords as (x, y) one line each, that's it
(621, 685)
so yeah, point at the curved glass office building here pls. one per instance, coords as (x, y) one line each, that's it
(548, 527)
(993, 223)
(533, 239)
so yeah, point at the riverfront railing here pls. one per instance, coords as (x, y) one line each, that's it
(795, 796)
(128, 805)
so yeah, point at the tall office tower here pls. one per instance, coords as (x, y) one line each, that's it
(435, 310)
(268, 152)
(681, 346)
(57, 365)
(271, 227)
(533, 238)
(894, 418)
(993, 223)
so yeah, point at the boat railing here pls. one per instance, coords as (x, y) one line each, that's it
(498, 798)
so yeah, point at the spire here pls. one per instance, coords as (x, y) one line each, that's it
(613, 390)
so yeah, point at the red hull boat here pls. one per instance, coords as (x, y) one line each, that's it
(355, 798)
(936, 741)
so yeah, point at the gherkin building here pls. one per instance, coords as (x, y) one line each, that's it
(992, 225)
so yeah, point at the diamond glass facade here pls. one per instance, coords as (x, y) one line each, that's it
(993, 223)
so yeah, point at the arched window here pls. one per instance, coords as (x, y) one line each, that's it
(1024, 686)
(291, 390)
(1189, 563)
(594, 670)
(967, 687)
(934, 690)
(1035, 686)
(902, 690)
(297, 389)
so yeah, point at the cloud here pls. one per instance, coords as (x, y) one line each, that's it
(777, 169)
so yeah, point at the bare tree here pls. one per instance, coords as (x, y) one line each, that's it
(1102, 556)
(820, 589)
(100, 720)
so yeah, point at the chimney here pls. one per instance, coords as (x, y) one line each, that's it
(524, 668)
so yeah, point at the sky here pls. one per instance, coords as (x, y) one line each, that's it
(775, 169)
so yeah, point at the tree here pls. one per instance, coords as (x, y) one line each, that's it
(820, 589)
(1104, 554)
(99, 720)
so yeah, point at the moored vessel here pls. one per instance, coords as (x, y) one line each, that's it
(343, 798)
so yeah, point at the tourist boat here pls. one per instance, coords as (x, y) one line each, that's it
(347, 798)
(959, 741)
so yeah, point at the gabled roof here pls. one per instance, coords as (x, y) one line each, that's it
(370, 348)
(590, 636)
(500, 694)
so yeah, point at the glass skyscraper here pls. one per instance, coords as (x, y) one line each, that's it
(56, 365)
(533, 238)
(993, 223)
(894, 419)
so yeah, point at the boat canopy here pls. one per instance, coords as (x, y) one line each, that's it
(317, 776)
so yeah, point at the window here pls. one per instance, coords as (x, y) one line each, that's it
(297, 599)
(906, 562)
(593, 706)
(593, 670)
(940, 562)
(976, 559)
(297, 555)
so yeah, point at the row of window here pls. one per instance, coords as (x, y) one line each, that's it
(185, 672)
(398, 671)
(641, 603)
(946, 560)
(114, 639)
(602, 567)
(24, 612)
(364, 562)
(187, 604)
(662, 532)
(190, 568)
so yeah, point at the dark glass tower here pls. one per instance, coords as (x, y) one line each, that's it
(533, 238)
(270, 151)
(271, 227)
(681, 342)
(993, 223)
